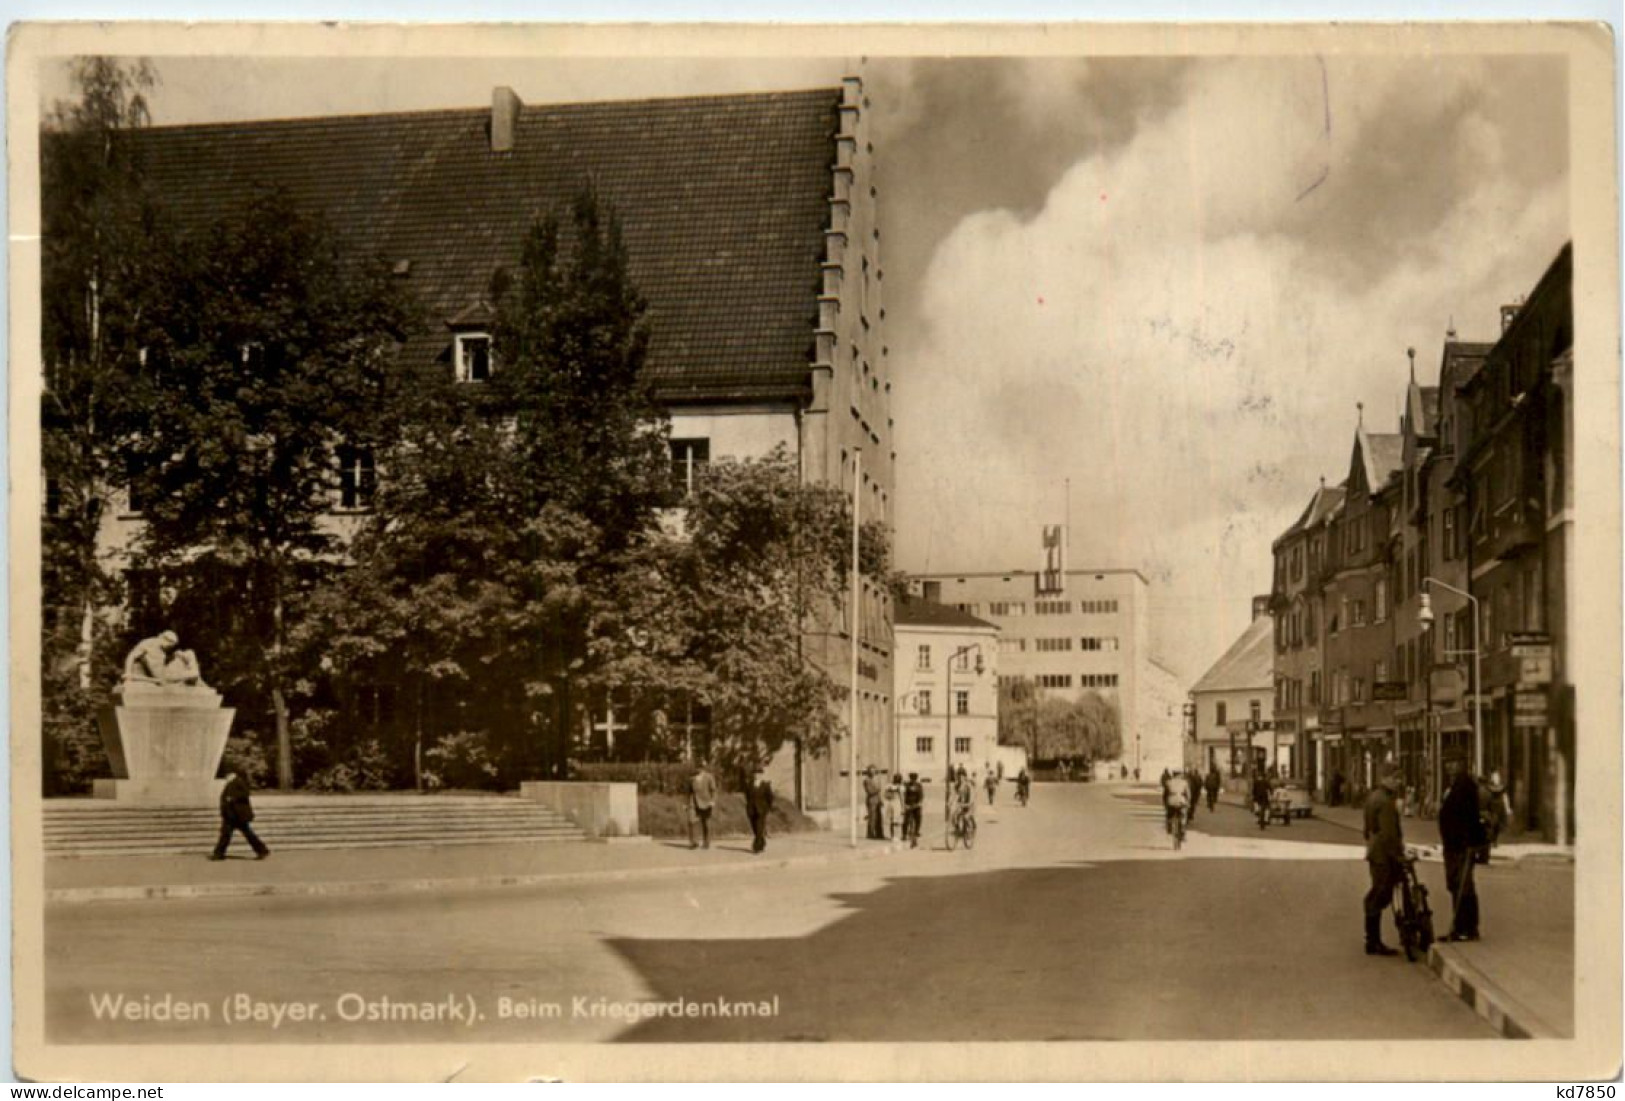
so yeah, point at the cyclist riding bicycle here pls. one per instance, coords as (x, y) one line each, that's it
(1176, 798)
(1024, 785)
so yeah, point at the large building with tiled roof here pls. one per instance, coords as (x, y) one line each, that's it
(750, 224)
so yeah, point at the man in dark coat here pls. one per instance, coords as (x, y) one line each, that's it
(236, 812)
(1384, 854)
(1461, 829)
(1212, 783)
(758, 804)
(872, 803)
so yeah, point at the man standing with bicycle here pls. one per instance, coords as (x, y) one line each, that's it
(1384, 854)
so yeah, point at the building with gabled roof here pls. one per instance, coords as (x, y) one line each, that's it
(750, 223)
(1233, 703)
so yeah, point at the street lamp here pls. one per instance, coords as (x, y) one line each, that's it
(1424, 616)
(948, 700)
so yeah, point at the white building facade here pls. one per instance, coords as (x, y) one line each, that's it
(947, 690)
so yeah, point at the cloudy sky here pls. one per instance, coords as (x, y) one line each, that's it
(1169, 281)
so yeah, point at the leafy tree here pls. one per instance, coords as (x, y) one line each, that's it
(1052, 727)
(1018, 714)
(271, 352)
(720, 614)
(102, 244)
(488, 576)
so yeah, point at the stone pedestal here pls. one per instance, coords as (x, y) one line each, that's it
(165, 744)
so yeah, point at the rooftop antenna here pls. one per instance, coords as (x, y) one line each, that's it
(1360, 410)
(1411, 352)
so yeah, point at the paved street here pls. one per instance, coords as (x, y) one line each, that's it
(1071, 919)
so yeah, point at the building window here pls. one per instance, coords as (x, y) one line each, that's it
(53, 496)
(1008, 608)
(1314, 688)
(1097, 680)
(962, 661)
(1379, 672)
(970, 609)
(1012, 645)
(961, 702)
(1055, 680)
(1052, 645)
(1218, 713)
(962, 746)
(1255, 710)
(472, 354)
(358, 480)
(688, 461)
(1052, 607)
(923, 745)
(922, 701)
(1382, 600)
(1359, 689)
(1358, 613)
(922, 660)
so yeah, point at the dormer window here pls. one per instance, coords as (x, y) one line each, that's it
(472, 354)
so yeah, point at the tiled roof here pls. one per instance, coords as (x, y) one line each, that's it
(1461, 362)
(723, 202)
(1384, 454)
(1247, 664)
(914, 612)
(1320, 506)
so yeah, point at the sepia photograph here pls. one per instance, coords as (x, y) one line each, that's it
(1025, 553)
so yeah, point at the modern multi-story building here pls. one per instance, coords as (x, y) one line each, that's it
(751, 227)
(1235, 724)
(946, 688)
(1069, 631)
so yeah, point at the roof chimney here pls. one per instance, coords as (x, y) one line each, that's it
(1261, 606)
(1509, 314)
(505, 107)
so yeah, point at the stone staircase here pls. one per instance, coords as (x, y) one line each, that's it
(77, 828)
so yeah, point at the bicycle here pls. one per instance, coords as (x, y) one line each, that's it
(1412, 914)
(963, 831)
(1022, 794)
(1177, 826)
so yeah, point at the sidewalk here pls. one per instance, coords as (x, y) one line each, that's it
(1520, 977)
(316, 872)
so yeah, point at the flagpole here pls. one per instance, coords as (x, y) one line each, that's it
(852, 730)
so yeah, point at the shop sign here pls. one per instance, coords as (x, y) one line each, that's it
(1529, 709)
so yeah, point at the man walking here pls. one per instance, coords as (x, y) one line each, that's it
(1384, 852)
(758, 804)
(913, 809)
(872, 804)
(1461, 829)
(236, 812)
(702, 797)
(1212, 784)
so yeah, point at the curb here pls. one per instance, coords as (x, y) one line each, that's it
(1509, 1018)
(213, 891)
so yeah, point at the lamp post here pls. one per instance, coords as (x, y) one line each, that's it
(948, 702)
(1424, 616)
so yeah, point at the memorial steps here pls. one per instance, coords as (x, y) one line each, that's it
(76, 828)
